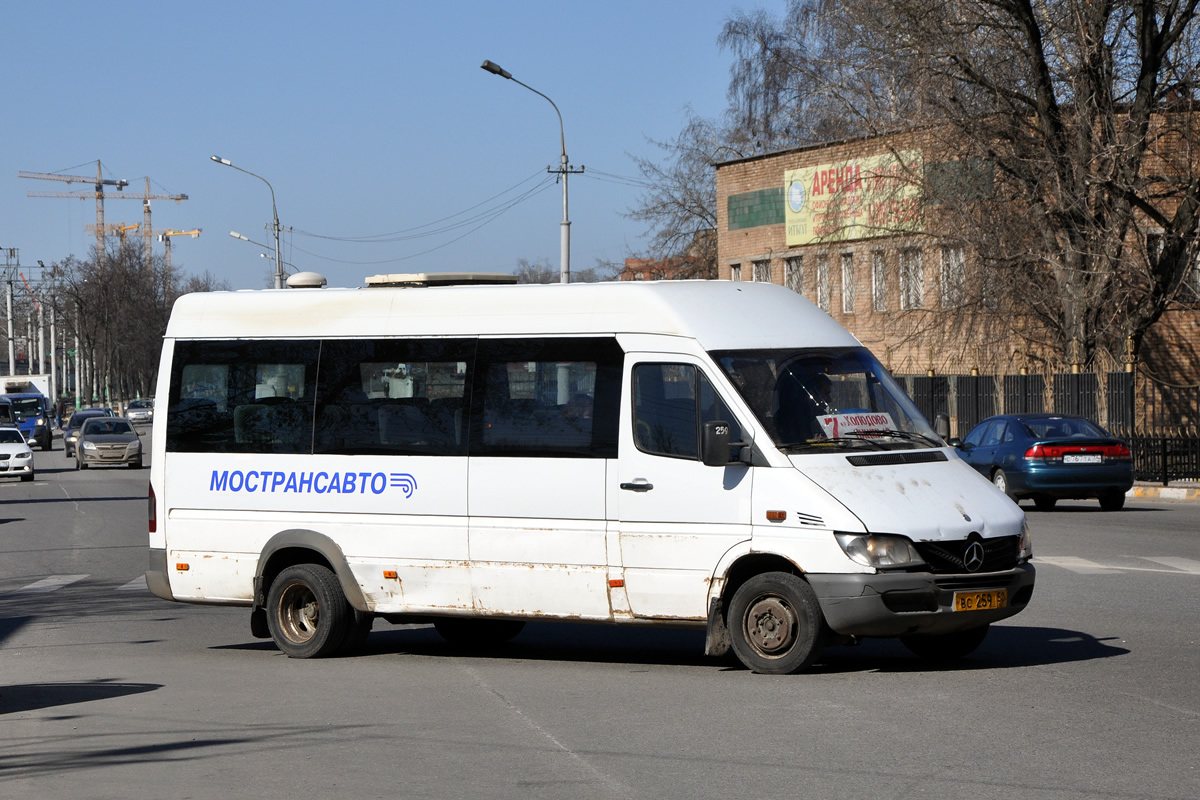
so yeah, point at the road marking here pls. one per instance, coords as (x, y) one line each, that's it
(1184, 564)
(1074, 564)
(137, 583)
(48, 584)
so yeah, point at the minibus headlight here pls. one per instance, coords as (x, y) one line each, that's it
(879, 550)
(1025, 548)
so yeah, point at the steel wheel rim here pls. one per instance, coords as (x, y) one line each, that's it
(770, 625)
(299, 612)
(1000, 481)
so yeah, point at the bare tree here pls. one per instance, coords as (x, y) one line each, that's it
(1076, 120)
(118, 304)
(680, 205)
(540, 271)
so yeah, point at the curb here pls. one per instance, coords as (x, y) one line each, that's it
(1164, 493)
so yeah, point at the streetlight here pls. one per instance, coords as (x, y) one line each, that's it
(274, 211)
(563, 170)
(237, 235)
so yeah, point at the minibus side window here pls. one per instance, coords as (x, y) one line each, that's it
(540, 398)
(242, 397)
(671, 402)
(393, 396)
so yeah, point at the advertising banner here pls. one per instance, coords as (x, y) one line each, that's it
(857, 198)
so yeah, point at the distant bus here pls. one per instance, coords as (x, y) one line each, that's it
(713, 455)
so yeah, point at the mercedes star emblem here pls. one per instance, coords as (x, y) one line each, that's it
(973, 557)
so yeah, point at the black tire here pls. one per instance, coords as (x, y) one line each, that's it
(477, 633)
(27, 478)
(1000, 481)
(307, 614)
(1044, 503)
(1112, 501)
(776, 624)
(947, 646)
(357, 632)
(79, 464)
(135, 464)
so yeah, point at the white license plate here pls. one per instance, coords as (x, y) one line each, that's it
(1083, 459)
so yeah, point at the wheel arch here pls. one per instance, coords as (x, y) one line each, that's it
(302, 546)
(730, 576)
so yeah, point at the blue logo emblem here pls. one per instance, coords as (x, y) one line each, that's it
(795, 196)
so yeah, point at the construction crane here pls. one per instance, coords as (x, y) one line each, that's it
(165, 237)
(147, 231)
(99, 182)
(119, 228)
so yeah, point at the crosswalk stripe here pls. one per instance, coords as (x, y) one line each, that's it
(1184, 564)
(1075, 564)
(137, 583)
(49, 584)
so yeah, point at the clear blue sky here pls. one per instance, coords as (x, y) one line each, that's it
(368, 119)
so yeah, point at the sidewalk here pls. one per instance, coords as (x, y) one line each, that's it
(1177, 490)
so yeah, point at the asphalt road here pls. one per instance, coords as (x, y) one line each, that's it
(109, 692)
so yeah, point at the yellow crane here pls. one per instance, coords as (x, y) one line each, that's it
(165, 237)
(119, 228)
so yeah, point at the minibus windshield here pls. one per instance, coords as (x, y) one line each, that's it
(812, 399)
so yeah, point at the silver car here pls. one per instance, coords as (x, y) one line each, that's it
(108, 440)
(140, 412)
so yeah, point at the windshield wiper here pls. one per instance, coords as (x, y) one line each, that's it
(840, 442)
(909, 435)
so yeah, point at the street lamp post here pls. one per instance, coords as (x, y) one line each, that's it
(274, 212)
(563, 170)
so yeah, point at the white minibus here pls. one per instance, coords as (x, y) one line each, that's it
(704, 454)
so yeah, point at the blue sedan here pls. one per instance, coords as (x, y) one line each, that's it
(1048, 457)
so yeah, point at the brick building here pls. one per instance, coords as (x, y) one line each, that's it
(842, 225)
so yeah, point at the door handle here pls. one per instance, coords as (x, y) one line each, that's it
(639, 485)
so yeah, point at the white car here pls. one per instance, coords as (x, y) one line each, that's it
(15, 456)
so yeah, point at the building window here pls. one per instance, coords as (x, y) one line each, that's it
(762, 271)
(793, 274)
(823, 282)
(735, 272)
(953, 277)
(912, 280)
(878, 282)
(847, 283)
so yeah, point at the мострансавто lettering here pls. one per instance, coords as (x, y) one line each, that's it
(270, 481)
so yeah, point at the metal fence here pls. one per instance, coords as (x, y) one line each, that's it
(1159, 422)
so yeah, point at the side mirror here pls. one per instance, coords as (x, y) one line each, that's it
(941, 425)
(715, 444)
(954, 441)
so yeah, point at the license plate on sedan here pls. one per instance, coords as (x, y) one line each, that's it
(980, 601)
(1083, 459)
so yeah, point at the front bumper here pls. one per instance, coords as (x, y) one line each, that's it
(100, 456)
(897, 604)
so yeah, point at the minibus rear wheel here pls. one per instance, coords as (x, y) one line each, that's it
(776, 624)
(307, 613)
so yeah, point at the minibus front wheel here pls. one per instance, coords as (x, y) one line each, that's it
(775, 624)
(307, 613)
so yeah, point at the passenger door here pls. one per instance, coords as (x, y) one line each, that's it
(543, 439)
(677, 517)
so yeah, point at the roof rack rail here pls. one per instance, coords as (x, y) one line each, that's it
(413, 279)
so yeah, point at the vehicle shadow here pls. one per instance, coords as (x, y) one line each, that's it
(22, 697)
(1006, 647)
(1084, 508)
